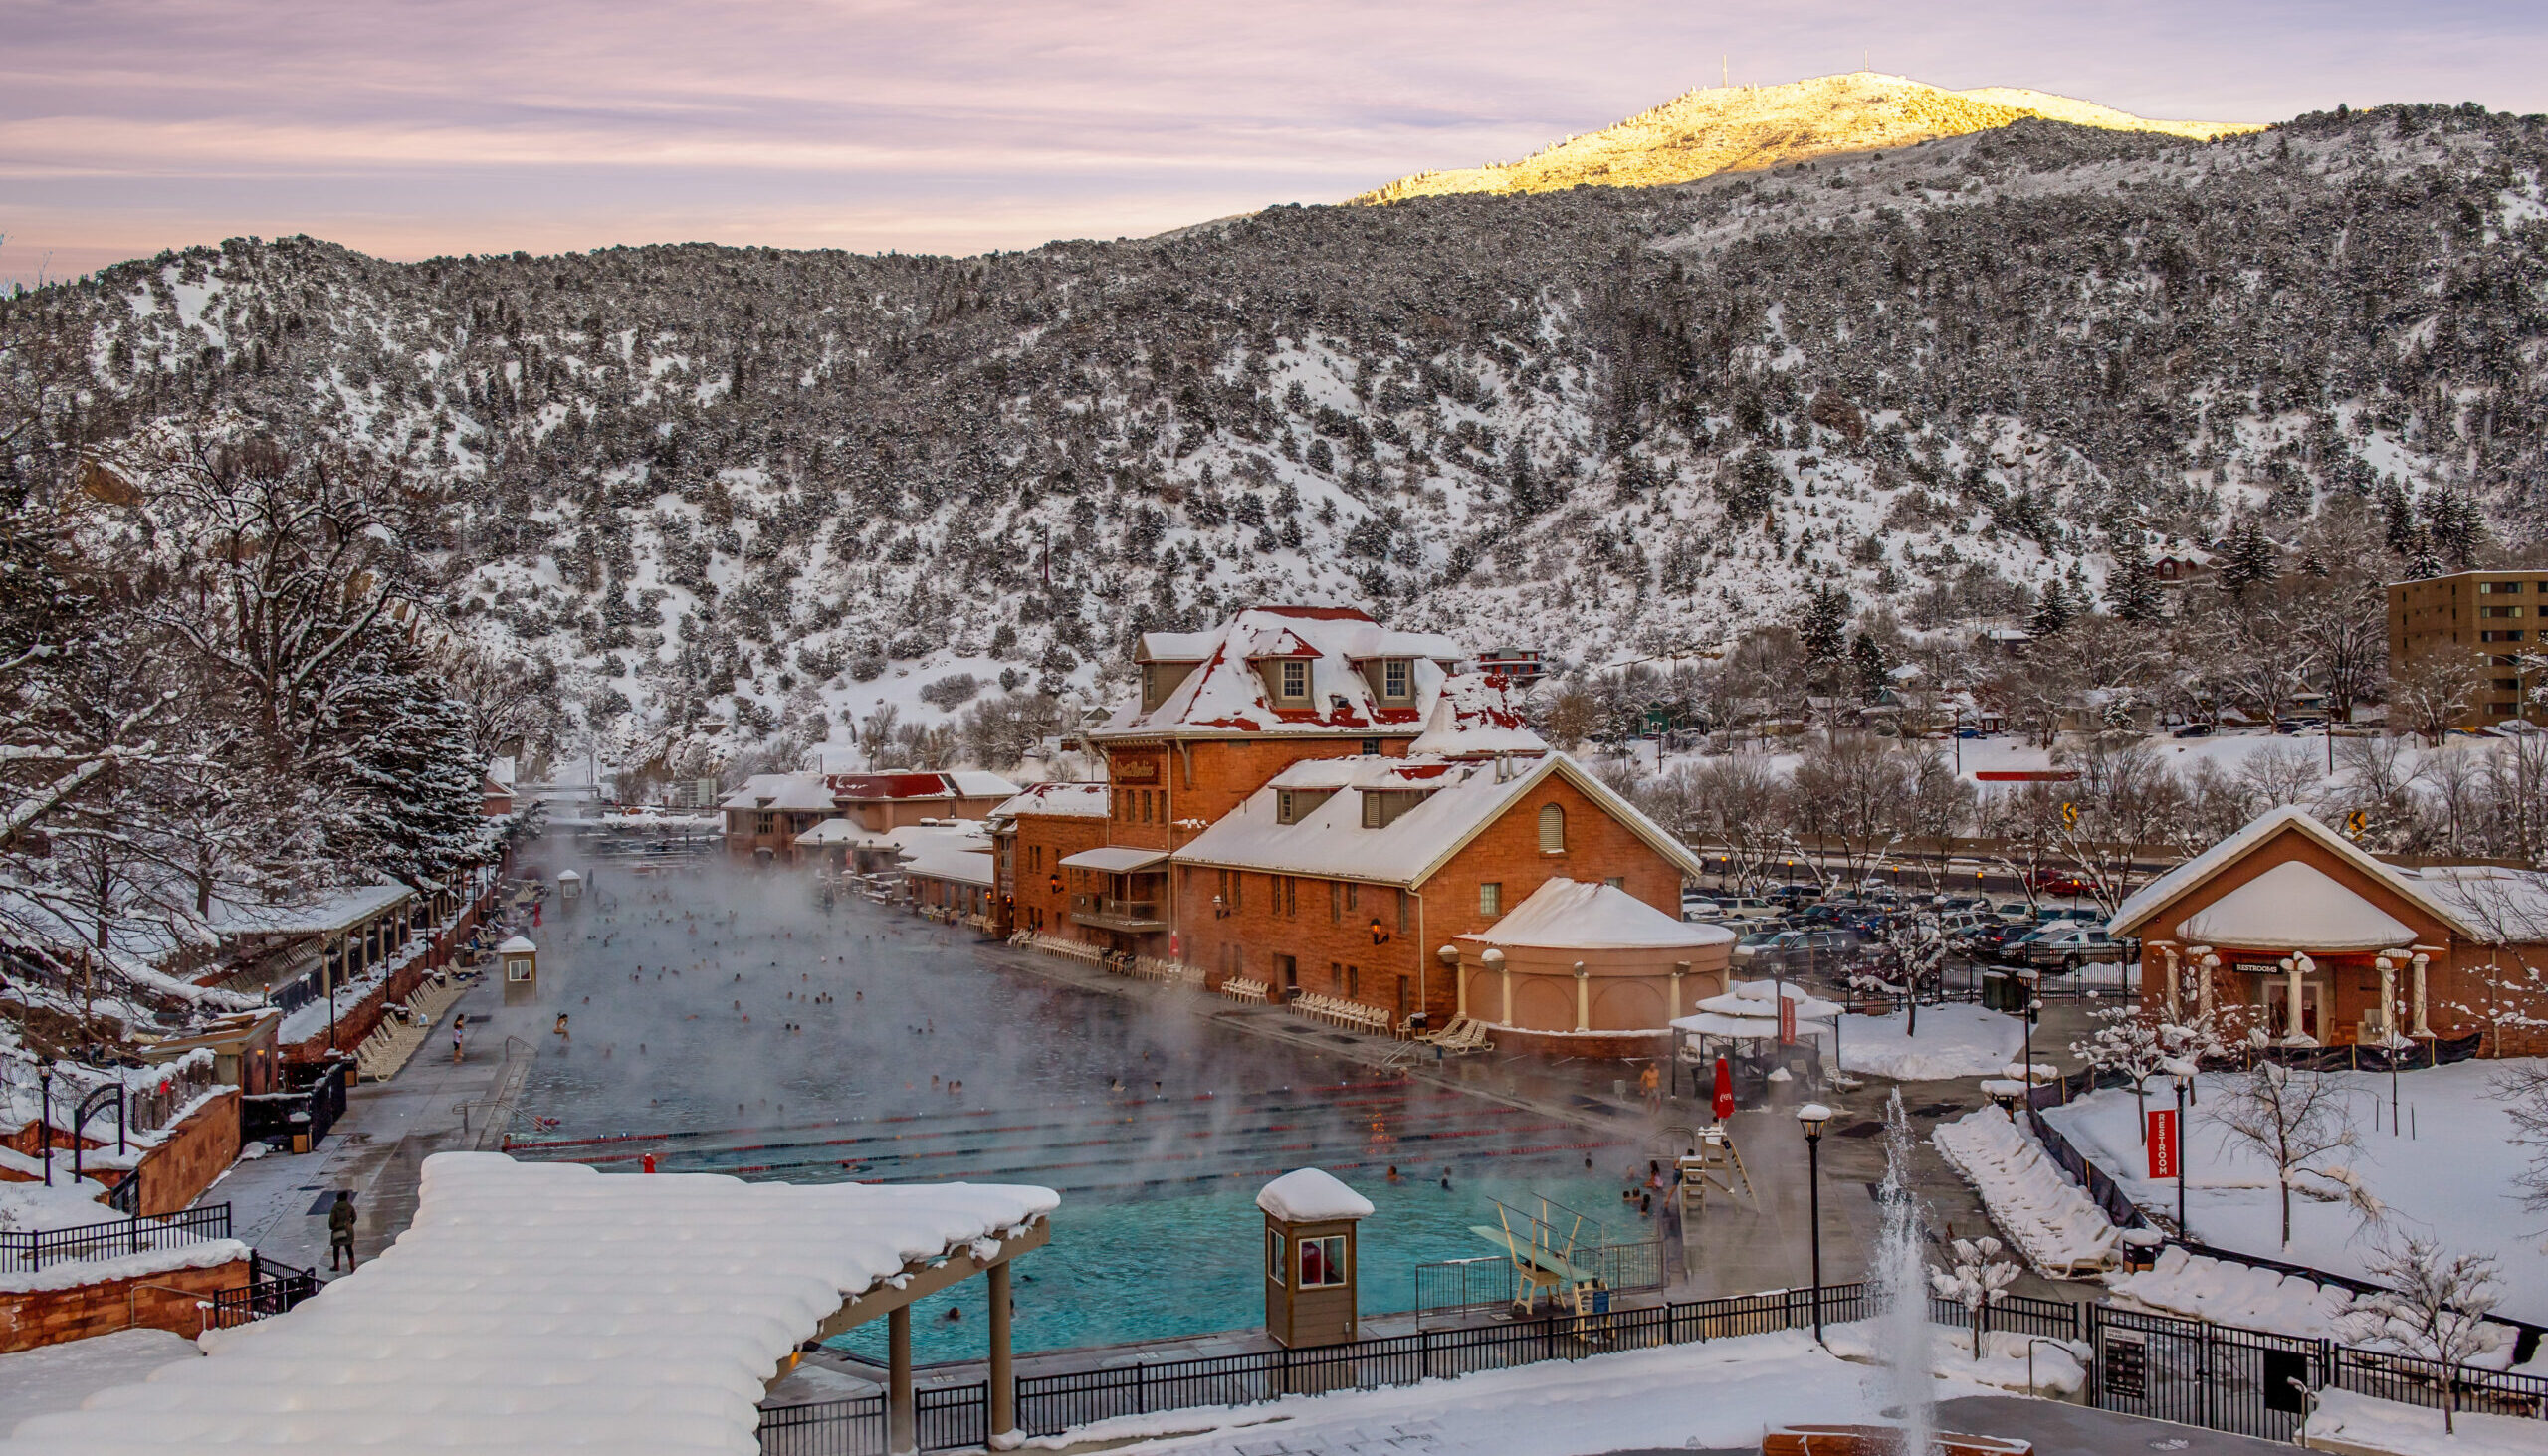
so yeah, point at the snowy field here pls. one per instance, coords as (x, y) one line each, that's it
(1719, 1394)
(1954, 1041)
(2452, 1178)
(58, 1378)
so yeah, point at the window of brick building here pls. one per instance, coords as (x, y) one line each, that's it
(1394, 679)
(1353, 982)
(1296, 678)
(1490, 898)
(1552, 829)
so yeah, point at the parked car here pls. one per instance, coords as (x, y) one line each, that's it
(1746, 907)
(1748, 949)
(1700, 910)
(2055, 881)
(2193, 730)
(2015, 913)
(1993, 943)
(1955, 923)
(2067, 948)
(1806, 949)
(2046, 914)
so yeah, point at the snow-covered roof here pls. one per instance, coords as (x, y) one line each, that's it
(332, 909)
(974, 783)
(958, 850)
(2509, 905)
(1311, 1196)
(1741, 1028)
(1070, 800)
(1761, 998)
(1475, 715)
(1462, 799)
(1113, 859)
(541, 1306)
(1570, 915)
(783, 793)
(839, 832)
(2294, 906)
(517, 945)
(1226, 693)
(2158, 894)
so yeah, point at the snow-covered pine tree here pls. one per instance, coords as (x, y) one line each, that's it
(1824, 630)
(2248, 557)
(407, 780)
(2053, 611)
(2132, 587)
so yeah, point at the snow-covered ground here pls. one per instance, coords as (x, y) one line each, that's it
(1954, 1041)
(1720, 1393)
(2346, 1421)
(56, 1377)
(2453, 1178)
(2228, 1293)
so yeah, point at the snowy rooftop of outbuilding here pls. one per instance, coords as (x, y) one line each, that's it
(1226, 692)
(1461, 800)
(1571, 914)
(1311, 1196)
(810, 793)
(330, 909)
(840, 831)
(1070, 800)
(2130, 917)
(2294, 906)
(954, 850)
(540, 1307)
(517, 945)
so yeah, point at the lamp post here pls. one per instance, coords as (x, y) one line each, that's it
(44, 1079)
(2034, 1007)
(1811, 1117)
(2183, 1079)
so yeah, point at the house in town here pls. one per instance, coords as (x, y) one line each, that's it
(1032, 834)
(765, 817)
(2288, 928)
(1306, 801)
(947, 867)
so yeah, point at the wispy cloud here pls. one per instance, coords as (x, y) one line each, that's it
(431, 125)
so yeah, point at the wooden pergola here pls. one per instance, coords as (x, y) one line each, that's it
(921, 1278)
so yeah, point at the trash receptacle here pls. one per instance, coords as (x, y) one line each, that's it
(1999, 992)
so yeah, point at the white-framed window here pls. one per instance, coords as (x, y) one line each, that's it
(1490, 898)
(1552, 829)
(1394, 679)
(1274, 1265)
(517, 967)
(1323, 1262)
(1296, 678)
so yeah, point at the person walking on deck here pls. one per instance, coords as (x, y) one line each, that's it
(341, 1231)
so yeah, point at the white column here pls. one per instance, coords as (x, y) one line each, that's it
(2207, 964)
(2174, 1000)
(2291, 998)
(2421, 1027)
(1582, 999)
(1679, 970)
(2387, 998)
(1505, 973)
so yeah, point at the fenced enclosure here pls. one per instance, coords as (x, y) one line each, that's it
(31, 1250)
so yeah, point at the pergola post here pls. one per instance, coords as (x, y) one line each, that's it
(2423, 1027)
(1004, 1434)
(902, 1416)
(1582, 999)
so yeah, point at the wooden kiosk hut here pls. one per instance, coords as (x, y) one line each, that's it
(518, 959)
(1311, 1263)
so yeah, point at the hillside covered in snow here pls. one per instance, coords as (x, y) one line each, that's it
(735, 496)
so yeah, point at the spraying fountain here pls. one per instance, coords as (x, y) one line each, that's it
(1900, 1274)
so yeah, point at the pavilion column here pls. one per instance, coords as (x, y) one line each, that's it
(2176, 997)
(1003, 1426)
(1582, 999)
(2387, 998)
(902, 1416)
(2204, 964)
(2292, 1009)
(2421, 1027)
(1680, 969)
(1505, 973)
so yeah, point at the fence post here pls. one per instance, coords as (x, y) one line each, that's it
(2086, 1316)
(1286, 1367)
(1142, 1387)
(1425, 1355)
(1548, 1336)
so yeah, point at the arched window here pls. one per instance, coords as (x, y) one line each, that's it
(1552, 829)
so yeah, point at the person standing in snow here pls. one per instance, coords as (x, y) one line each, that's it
(458, 1024)
(341, 1231)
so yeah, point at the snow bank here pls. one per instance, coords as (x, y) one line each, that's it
(2346, 1421)
(2451, 1175)
(2051, 1220)
(538, 1307)
(210, 1254)
(1954, 1041)
(2226, 1292)
(59, 1377)
(1311, 1196)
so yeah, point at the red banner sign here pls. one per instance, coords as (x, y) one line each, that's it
(1786, 1022)
(2163, 1144)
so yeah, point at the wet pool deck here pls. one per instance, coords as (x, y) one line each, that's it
(1734, 1246)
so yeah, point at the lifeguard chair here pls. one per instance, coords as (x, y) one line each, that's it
(1311, 1263)
(519, 961)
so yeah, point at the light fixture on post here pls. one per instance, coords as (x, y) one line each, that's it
(1221, 907)
(1811, 1117)
(43, 1079)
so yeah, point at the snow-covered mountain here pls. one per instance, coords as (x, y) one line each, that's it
(1757, 128)
(775, 489)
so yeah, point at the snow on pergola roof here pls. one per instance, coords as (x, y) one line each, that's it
(2294, 906)
(540, 1307)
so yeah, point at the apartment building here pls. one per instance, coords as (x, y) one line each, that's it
(2492, 615)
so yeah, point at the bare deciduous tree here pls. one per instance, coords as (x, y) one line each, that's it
(2290, 1116)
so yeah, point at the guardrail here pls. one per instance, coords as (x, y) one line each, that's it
(35, 1249)
(272, 1289)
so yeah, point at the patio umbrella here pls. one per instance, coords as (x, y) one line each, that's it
(1724, 1088)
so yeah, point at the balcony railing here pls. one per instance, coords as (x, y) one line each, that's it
(1107, 912)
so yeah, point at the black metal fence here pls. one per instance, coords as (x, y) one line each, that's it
(30, 1250)
(272, 1289)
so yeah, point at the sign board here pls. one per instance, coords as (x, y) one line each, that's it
(2162, 1138)
(2124, 1367)
(2286, 1381)
(1138, 770)
(1786, 1022)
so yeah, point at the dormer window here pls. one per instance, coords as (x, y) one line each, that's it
(1295, 678)
(1381, 807)
(1396, 681)
(1292, 805)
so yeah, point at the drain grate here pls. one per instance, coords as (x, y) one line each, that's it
(1860, 1129)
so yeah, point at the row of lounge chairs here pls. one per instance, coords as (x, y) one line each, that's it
(1336, 1011)
(1463, 1034)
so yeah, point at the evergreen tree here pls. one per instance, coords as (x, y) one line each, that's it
(2054, 611)
(2396, 515)
(2248, 557)
(1868, 666)
(2132, 587)
(2459, 527)
(2424, 562)
(1826, 625)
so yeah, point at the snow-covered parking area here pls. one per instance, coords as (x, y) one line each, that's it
(1954, 1041)
(2448, 1176)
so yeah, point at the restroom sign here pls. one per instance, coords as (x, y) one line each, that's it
(2162, 1138)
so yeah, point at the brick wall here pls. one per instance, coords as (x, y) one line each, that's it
(177, 1172)
(1043, 840)
(160, 1301)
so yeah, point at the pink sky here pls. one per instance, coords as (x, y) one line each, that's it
(470, 126)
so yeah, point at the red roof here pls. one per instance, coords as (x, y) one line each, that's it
(887, 786)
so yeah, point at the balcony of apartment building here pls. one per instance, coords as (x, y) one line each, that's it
(1119, 888)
